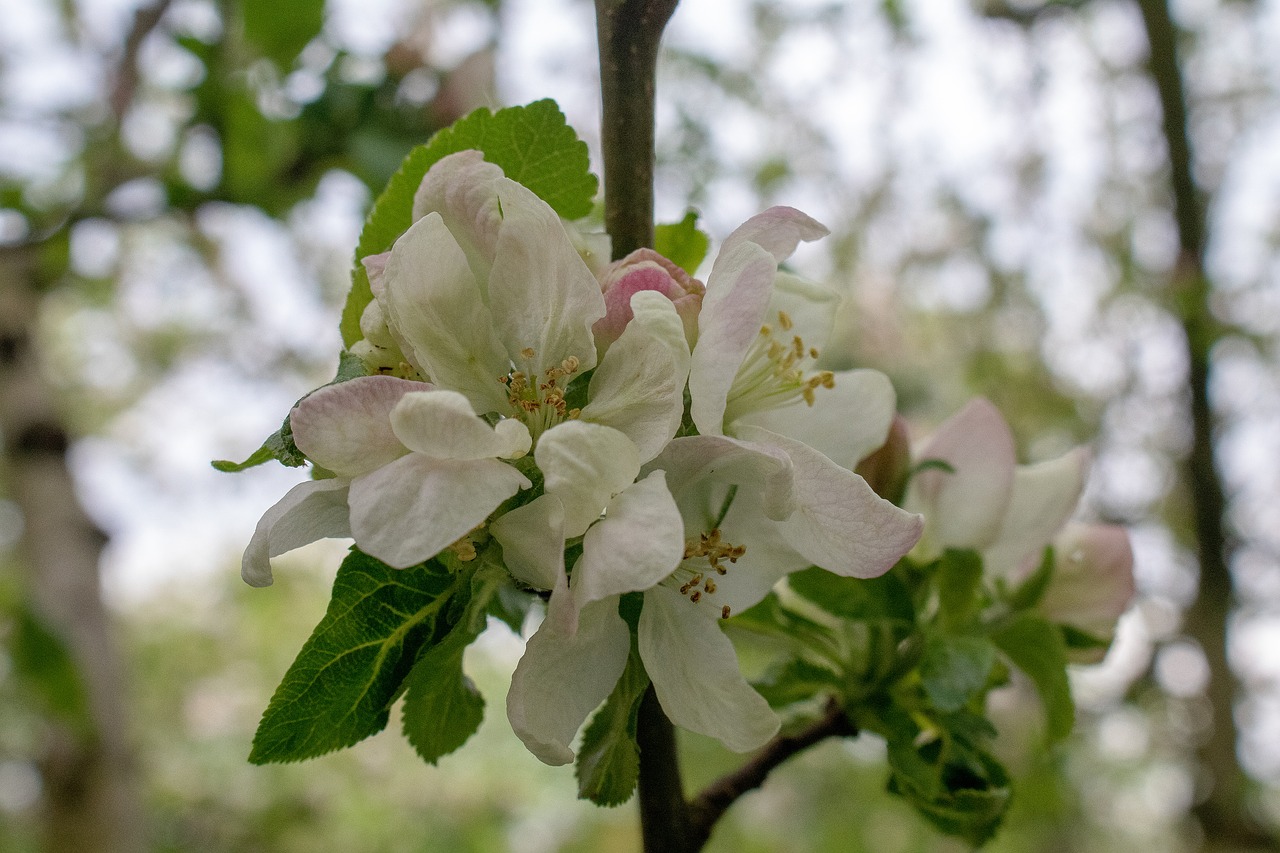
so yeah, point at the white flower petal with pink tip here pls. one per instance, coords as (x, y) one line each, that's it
(442, 425)
(1044, 497)
(346, 427)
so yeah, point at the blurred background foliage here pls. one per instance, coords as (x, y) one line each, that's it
(1014, 214)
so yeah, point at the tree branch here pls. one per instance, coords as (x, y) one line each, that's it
(664, 814)
(629, 32)
(716, 798)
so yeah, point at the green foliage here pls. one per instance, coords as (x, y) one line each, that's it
(279, 445)
(532, 144)
(959, 587)
(1036, 647)
(45, 668)
(608, 762)
(883, 598)
(954, 670)
(442, 707)
(682, 243)
(340, 689)
(1030, 591)
(280, 29)
(960, 789)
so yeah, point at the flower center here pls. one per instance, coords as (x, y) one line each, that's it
(776, 372)
(704, 559)
(538, 399)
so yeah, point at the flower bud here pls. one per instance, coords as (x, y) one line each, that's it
(1092, 580)
(645, 269)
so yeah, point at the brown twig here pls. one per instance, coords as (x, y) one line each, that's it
(716, 798)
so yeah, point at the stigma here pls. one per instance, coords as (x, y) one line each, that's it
(536, 398)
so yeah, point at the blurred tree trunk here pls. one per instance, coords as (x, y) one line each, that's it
(1222, 811)
(90, 795)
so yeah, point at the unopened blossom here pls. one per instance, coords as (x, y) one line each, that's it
(984, 501)
(1092, 581)
(645, 269)
(487, 299)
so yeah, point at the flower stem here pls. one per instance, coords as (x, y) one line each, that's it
(628, 32)
(664, 813)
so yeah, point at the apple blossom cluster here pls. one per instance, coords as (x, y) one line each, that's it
(670, 468)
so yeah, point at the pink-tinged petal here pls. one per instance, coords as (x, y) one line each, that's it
(463, 189)
(346, 428)
(532, 540)
(310, 511)
(1044, 498)
(840, 524)
(541, 293)
(964, 507)
(692, 461)
(585, 465)
(434, 302)
(1092, 578)
(638, 389)
(442, 425)
(646, 270)
(733, 311)
(412, 509)
(638, 543)
(695, 673)
(562, 678)
(846, 423)
(778, 231)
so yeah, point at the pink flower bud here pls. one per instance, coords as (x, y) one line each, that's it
(645, 269)
(1092, 579)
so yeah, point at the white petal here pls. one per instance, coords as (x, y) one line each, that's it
(965, 507)
(778, 230)
(561, 679)
(845, 423)
(442, 425)
(638, 543)
(542, 295)
(347, 427)
(840, 524)
(532, 539)
(316, 509)
(1044, 497)
(463, 189)
(691, 460)
(733, 310)
(638, 388)
(585, 465)
(810, 306)
(410, 510)
(695, 673)
(436, 305)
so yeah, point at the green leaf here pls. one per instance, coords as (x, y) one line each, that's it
(682, 243)
(45, 668)
(961, 790)
(1079, 640)
(1030, 591)
(797, 680)
(873, 599)
(279, 445)
(959, 582)
(1036, 647)
(340, 688)
(532, 144)
(442, 707)
(280, 29)
(955, 669)
(609, 760)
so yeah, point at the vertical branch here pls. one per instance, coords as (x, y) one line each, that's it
(1222, 813)
(629, 32)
